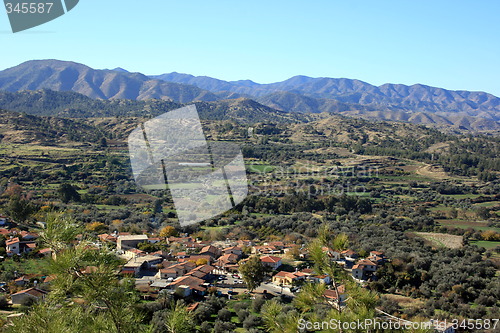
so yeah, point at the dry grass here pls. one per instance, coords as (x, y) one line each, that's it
(441, 240)
(405, 302)
(432, 171)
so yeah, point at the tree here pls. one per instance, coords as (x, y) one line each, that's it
(168, 231)
(20, 209)
(224, 314)
(201, 262)
(103, 142)
(341, 242)
(68, 193)
(277, 320)
(253, 272)
(148, 247)
(176, 319)
(107, 304)
(96, 227)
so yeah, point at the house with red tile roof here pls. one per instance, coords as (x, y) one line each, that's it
(369, 266)
(175, 270)
(227, 259)
(31, 294)
(322, 278)
(25, 235)
(335, 255)
(377, 253)
(211, 251)
(271, 261)
(279, 245)
(107, 238)
(45, 252)
(13, 246)
(349, 255)
(265, 249)
(188, 285)
(287, 278)
(333, 298)
(237, 250)
(133, 253)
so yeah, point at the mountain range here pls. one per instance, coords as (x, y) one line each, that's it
(300, 94)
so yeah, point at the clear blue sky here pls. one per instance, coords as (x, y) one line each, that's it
(450, 44)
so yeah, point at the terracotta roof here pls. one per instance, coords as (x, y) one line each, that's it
(198, 274)
(190, 281)
(284, 274)
(375, 258)
(26, 233)
(265, 248)
(12, 241)
(366, 262)
(205, 269)
(332, 294)
(228, 258)
(49, 278)
(107, 238)
(33, 292)
(232, 248)
(270, 259)
(196, 257)
(22, 278)
(210, 249)
(193, 306)
(136, 251)
(127, 271)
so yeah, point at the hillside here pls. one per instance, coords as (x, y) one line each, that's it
(28, 129)
(75, 105)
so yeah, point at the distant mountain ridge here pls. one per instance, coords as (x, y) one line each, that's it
(299, 94)
(104, 84)
(417, 97)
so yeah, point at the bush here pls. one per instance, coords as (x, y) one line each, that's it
(224, 315)
(257, 303)
(206, 327)
(240, 306)
(242, 315)
(252, 321)
(223, 327)
(3, 302)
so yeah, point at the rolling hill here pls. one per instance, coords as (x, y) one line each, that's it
(74, 105)
(21, 128)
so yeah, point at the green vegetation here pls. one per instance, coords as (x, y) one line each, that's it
(330, 182)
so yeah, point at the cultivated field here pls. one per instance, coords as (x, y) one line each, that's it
(442, 240)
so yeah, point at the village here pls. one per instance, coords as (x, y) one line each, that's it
(193, 268)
